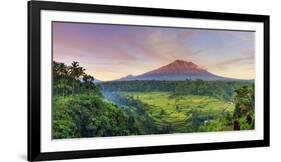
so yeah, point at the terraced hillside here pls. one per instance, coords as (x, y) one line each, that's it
(176, 112)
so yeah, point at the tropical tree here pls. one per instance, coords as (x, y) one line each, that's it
(60, 77)
(88, 82)
(63, 86)
(76, 71)
(244, 108)
(243, 102)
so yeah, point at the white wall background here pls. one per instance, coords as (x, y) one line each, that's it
(13, 81)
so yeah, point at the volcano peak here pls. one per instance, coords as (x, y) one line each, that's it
(177, 70)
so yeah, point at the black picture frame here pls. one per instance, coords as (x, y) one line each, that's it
(34, 81)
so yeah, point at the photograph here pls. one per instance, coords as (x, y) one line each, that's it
(106, 80)
(131, 80)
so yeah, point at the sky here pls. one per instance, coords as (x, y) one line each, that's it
(109, 52)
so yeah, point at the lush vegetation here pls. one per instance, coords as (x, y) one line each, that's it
(185, 106)
(82, 108)
(79, 109)
(185, 113)
(218, 89)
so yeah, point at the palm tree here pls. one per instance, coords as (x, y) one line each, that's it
(60, 76)
(75, 72)
(59, 70)
(88, 82)
(63, 85)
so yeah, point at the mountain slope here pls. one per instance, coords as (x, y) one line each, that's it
(177, 70)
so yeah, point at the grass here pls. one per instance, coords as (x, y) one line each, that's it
(164, 107)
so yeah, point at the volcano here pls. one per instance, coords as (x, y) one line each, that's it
(177, 70)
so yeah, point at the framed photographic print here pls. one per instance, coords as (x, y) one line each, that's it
(115, 80)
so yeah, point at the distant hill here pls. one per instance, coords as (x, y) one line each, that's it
(177, 70)
(97, 81)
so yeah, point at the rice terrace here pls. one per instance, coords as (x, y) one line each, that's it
(118, 80)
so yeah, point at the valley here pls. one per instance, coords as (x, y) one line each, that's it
(176, 111)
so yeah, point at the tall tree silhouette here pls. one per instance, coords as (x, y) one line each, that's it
(63, 85)
(60, 77)
(88, 82)
(76, 72)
